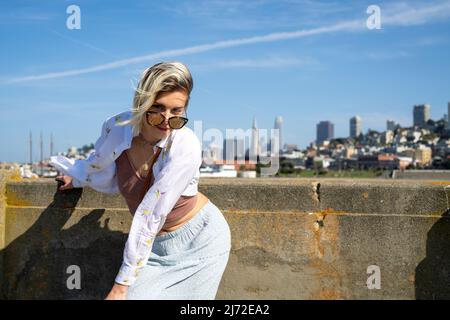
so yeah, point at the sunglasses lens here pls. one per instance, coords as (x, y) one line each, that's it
(155, 119)
(177, 122)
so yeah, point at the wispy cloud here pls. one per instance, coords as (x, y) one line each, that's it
(404, 17)
(271, 62)
(428, 41)
(82, 43)
(349, 25)
(255, 14)
(388, 55)
(25, 15)
(404, 14)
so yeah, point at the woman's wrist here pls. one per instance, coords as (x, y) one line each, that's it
(120, 287)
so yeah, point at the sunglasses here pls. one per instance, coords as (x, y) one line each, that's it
(155, 118)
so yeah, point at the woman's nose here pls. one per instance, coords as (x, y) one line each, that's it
(166, 115)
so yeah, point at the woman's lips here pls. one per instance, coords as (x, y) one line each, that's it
(162, 129)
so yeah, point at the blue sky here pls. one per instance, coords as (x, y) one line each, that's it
(304, 60)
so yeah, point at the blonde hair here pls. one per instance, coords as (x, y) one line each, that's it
(160, 78)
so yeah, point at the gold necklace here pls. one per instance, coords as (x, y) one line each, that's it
(146, 143)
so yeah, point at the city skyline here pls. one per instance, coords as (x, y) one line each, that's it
(303, 60)
(251, 146)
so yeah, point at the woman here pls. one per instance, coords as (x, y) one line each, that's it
(179, 242)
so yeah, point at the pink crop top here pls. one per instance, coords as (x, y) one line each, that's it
(132, 185)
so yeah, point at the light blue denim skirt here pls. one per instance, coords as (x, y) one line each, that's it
(188, 263)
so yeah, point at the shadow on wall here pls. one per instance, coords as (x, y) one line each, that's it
(433, 272)
(35, 264)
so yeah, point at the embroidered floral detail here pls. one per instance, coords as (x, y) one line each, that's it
(140, 263)
(148, 242)
(108, 130)
(158, 194)
(116, 119)
(88, 178)
(166, 148)
(94, 166)
(147, 212)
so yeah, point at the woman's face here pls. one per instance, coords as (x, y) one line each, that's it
(169, 104)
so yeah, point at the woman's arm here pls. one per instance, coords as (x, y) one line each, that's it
(183, 162)
(97, 171)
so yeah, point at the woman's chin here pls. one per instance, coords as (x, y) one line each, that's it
(161, 134)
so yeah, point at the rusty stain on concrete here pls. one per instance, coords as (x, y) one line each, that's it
(440, 183)
(327, 294)
(325, 253)
(321, 215)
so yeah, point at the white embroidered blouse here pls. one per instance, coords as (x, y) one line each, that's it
(176, 173)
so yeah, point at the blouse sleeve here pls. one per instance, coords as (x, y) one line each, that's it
(183, 161)
(92, 171)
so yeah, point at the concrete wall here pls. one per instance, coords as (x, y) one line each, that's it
(422, 174)
(291, 238)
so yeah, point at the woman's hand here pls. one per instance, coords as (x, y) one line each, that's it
(67, 182)
(118, 292)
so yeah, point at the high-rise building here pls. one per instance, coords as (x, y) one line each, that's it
(391, 125)
(264, 146)
(240, 148)
(233, 149)
(279, 126)
(254, 145)
(325, 131)
(421, 114)
(355, 126)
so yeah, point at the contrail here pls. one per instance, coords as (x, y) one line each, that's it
(408, 17)
(194, 49)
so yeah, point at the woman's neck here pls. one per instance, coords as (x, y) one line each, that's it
(147, 140)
